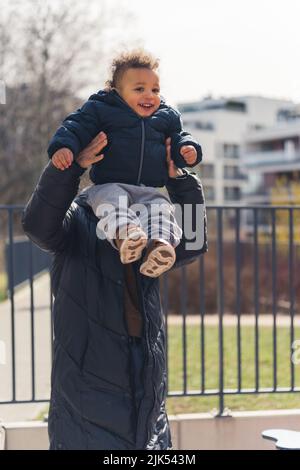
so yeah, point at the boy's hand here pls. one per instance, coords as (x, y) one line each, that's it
(189, 154)
(62, 158)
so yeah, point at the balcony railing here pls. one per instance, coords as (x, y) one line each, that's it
(275, 157)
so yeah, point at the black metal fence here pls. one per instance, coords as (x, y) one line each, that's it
(250, 274)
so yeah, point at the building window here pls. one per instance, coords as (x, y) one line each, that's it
(255, 127)
(207, 170)
(209, 192)
(232, 194)
(236, 106)
(204, 126)
(232, 172)
(200, 125)
(231, 151)
(188, 108)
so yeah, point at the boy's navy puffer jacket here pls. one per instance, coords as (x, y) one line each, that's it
(136, 152)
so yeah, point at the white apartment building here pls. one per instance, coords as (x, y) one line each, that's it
(221, 126)
(273, 153)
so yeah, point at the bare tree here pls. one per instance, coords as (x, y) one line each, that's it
(50, 52)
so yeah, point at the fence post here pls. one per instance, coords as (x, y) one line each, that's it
(220, 297)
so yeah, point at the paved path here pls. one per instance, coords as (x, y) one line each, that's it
(42, 344)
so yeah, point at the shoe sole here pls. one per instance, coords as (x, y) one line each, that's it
(131, 249)
(158, 261)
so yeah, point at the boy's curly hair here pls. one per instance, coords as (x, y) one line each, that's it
(137, 58)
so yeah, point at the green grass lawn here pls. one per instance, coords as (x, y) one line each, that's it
(3, 284)
(240, 402)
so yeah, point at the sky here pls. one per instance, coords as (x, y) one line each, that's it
(222, 47)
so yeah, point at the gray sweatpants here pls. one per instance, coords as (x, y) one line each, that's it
(120, 204)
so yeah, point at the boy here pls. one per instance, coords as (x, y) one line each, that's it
(135, 121)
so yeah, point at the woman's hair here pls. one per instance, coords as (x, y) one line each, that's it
(137, 58)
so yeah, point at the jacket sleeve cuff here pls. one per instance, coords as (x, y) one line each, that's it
(183, 176)
(53, 147)
(178, 158)
(74, 171)
(186, 182)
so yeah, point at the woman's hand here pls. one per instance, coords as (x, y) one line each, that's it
(89, 155)
(173, 170)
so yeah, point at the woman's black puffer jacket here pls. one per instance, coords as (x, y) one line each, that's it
(92, 403)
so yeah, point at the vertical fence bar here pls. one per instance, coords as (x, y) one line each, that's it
(184, 342)
(51, 320)
(291, 289)
(220, 295)
(256, 297)
(202, 323)
(238, 295)
(32, 321)
(12, 299)
(166, 313)
(274, 297)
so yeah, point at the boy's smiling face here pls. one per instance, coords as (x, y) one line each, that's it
(139, 87)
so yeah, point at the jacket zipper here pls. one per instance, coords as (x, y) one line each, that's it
(143, 137)
(142, 151)
(154, 362)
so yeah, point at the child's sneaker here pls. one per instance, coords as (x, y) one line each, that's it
(131, 247)
(160, 257)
